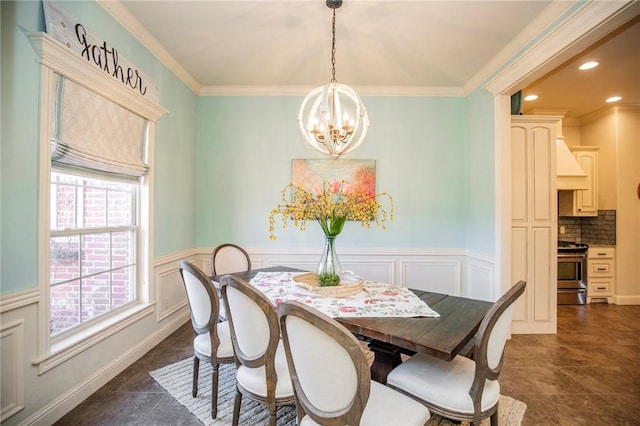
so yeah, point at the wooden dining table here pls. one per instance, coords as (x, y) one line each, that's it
(389, 337)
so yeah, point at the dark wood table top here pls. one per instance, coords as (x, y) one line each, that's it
(441, 337)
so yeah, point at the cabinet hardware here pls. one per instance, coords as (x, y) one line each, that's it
(600, 253)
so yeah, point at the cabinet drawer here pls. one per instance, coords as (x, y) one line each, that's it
(600, 288)
(600, 269)
(600, 252)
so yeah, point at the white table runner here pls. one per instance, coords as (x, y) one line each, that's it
(375, 300)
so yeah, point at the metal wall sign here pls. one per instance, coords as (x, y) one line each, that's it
(98, 52)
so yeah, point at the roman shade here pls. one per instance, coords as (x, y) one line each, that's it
(92, 132)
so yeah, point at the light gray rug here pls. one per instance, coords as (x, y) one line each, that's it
(176, 379)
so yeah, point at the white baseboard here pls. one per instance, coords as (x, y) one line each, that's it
(627, 300)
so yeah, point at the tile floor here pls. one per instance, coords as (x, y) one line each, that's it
(587, 374)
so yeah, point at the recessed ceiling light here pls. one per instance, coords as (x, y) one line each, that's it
(531, 97)
(614, 99)
(588, 65)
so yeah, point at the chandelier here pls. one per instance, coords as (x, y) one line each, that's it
(332, 118)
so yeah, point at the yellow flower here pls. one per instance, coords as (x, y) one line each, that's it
(332, 205)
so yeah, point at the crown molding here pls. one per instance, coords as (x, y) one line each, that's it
(122, 15)
(400, 91)
(581, 25)
(530, 32)
(609, 110)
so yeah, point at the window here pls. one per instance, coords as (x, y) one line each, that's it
(92, 249)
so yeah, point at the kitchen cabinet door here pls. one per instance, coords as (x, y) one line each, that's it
(583, 202)
(586, 200)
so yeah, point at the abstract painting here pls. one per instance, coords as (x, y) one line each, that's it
(309, 174)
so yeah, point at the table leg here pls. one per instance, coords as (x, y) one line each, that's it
(387, 358)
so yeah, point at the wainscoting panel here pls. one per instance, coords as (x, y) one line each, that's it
(381, 270)
(435, 276)
(171, 296)
(478, 282)
(12, 368)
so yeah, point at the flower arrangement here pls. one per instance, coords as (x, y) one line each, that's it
(331, 206)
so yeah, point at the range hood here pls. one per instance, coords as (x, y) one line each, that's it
(570, 174)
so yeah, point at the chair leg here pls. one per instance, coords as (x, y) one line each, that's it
(236, 408)
(196, 370)
(214, 391)
(272, 416)
(494, 418)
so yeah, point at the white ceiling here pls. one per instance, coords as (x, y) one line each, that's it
(413, 47)
(582, 92)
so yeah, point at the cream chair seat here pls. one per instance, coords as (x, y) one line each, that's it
(253, 378)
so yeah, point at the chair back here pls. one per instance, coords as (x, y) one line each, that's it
(329, 371)
(229, 258)
(253, 321)
(204, 303)
(490, 341)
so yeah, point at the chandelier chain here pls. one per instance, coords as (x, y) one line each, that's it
(333, 48)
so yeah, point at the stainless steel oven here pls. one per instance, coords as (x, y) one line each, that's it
(572, 273)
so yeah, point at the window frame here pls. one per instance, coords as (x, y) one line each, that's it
(80, 231)
(55, 58)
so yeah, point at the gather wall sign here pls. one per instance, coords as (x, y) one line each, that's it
(96, 51)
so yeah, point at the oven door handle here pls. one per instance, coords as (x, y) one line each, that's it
(571, 258)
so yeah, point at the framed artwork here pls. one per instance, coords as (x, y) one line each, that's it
(310, 174)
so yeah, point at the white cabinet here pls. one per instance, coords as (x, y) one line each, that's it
(533, 221)
(600, 273)
(582, 202)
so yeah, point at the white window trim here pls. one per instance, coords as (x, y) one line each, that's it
(56, 58)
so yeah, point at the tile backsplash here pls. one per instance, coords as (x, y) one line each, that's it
(599, 230)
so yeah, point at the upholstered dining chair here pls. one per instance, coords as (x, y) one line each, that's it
(261, 366)
(212, 342)
(331, 376)
(226, 259)
(463, 389)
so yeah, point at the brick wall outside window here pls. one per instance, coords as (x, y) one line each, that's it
(91, 273)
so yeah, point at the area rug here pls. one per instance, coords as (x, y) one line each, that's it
(176, 379)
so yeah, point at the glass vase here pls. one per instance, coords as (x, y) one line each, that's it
(329, 268)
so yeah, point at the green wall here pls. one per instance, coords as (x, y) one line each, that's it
(481, 153)
(245, 147)
(20, 153)
(174, 193)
